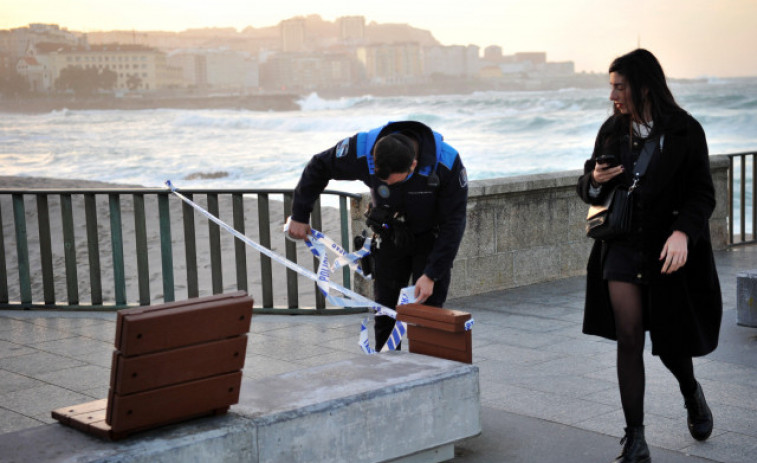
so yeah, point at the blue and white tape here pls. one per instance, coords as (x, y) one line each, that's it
(407, 295)
(318, 245)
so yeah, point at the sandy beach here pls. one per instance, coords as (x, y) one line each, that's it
(306, 286)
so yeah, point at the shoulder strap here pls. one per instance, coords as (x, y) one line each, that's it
(646, 155)
(643, 162)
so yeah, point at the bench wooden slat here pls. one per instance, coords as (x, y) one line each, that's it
(441, 326)
(169, 404)
(88, 417)
(435, 350)
(168, 305)
(450, 346)
(184, 325)
(436, 317)
(67, 413)
(457, 341)
(150, 371)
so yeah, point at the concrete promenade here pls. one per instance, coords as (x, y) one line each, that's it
(548, 392)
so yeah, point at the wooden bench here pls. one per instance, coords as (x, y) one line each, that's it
(437, 332)
(172, 362)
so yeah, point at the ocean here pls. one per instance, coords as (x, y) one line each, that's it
(498, 134)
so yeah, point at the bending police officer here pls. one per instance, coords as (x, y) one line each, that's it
(419, 193)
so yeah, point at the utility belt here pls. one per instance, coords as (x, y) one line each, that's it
(387, 226)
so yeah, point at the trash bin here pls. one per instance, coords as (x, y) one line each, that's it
(746, 298)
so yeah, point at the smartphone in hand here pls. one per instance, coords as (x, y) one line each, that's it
(608, 160)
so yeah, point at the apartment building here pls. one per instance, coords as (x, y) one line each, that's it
(216, 69)
(398, 63)
(137, 67)
(293, 36)
(453, 61)
(351, 29)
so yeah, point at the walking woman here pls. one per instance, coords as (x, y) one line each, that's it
(661, 276)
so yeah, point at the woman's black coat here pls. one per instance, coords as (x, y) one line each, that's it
(677, 193)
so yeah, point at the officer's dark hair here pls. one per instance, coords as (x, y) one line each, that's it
(393, 154)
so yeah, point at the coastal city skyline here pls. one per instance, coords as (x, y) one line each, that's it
(708, 38)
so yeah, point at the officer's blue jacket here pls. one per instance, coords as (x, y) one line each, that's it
(433, 198)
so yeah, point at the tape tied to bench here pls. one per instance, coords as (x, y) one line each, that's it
(318, 243)
(355, 299)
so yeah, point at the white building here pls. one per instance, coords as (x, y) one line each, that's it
(217, 70)
(453, 61)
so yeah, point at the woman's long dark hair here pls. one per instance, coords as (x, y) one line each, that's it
(642, 71)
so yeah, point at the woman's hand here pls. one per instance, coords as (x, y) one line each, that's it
(603, 173)
(675, 252)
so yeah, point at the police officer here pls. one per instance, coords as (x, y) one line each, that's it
(419, 192)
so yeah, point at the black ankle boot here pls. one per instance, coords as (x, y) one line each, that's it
(635, 448)
(700, 416)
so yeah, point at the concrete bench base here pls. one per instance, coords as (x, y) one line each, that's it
(391, 407)
(746, 295)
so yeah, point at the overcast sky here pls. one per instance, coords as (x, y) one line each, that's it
(692, 38)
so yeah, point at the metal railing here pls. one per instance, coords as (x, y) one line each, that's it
(743, 182)
(126, 234)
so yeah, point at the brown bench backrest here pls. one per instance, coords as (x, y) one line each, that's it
(172, 362)
(177, 360)
(437, 332)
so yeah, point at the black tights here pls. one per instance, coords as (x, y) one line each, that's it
(626, 300)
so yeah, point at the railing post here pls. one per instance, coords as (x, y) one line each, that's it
(344, 221)
(742, 198)
(69, 249)
(45, 249)
(140, 237)
(117, 248)
(264, 232)
(240, 250)
(316, 221)
(22, 247)
(166, 251)
(730, 200)
(93, 249)
(291, 254)
(754, 196)
(190, 248)
(3, 267)
(214, 238)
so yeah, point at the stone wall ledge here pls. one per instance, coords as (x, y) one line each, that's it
(394, 407)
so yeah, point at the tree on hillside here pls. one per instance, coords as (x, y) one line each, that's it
(85, 81)
(13, 84)
(133, 82)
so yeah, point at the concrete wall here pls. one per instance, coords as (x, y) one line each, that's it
(530, 229)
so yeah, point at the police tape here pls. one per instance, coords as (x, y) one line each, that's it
(318, 245)
(357, 300)
(407, 295)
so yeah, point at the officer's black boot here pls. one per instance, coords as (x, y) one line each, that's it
(635, 448)
(700, 416)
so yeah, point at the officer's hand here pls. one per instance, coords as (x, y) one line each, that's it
(298, 230)
(424, 286)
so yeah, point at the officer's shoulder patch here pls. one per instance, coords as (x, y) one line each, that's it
(463, 178)
(342, 148)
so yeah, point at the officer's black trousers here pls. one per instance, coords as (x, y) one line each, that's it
(393, 271)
